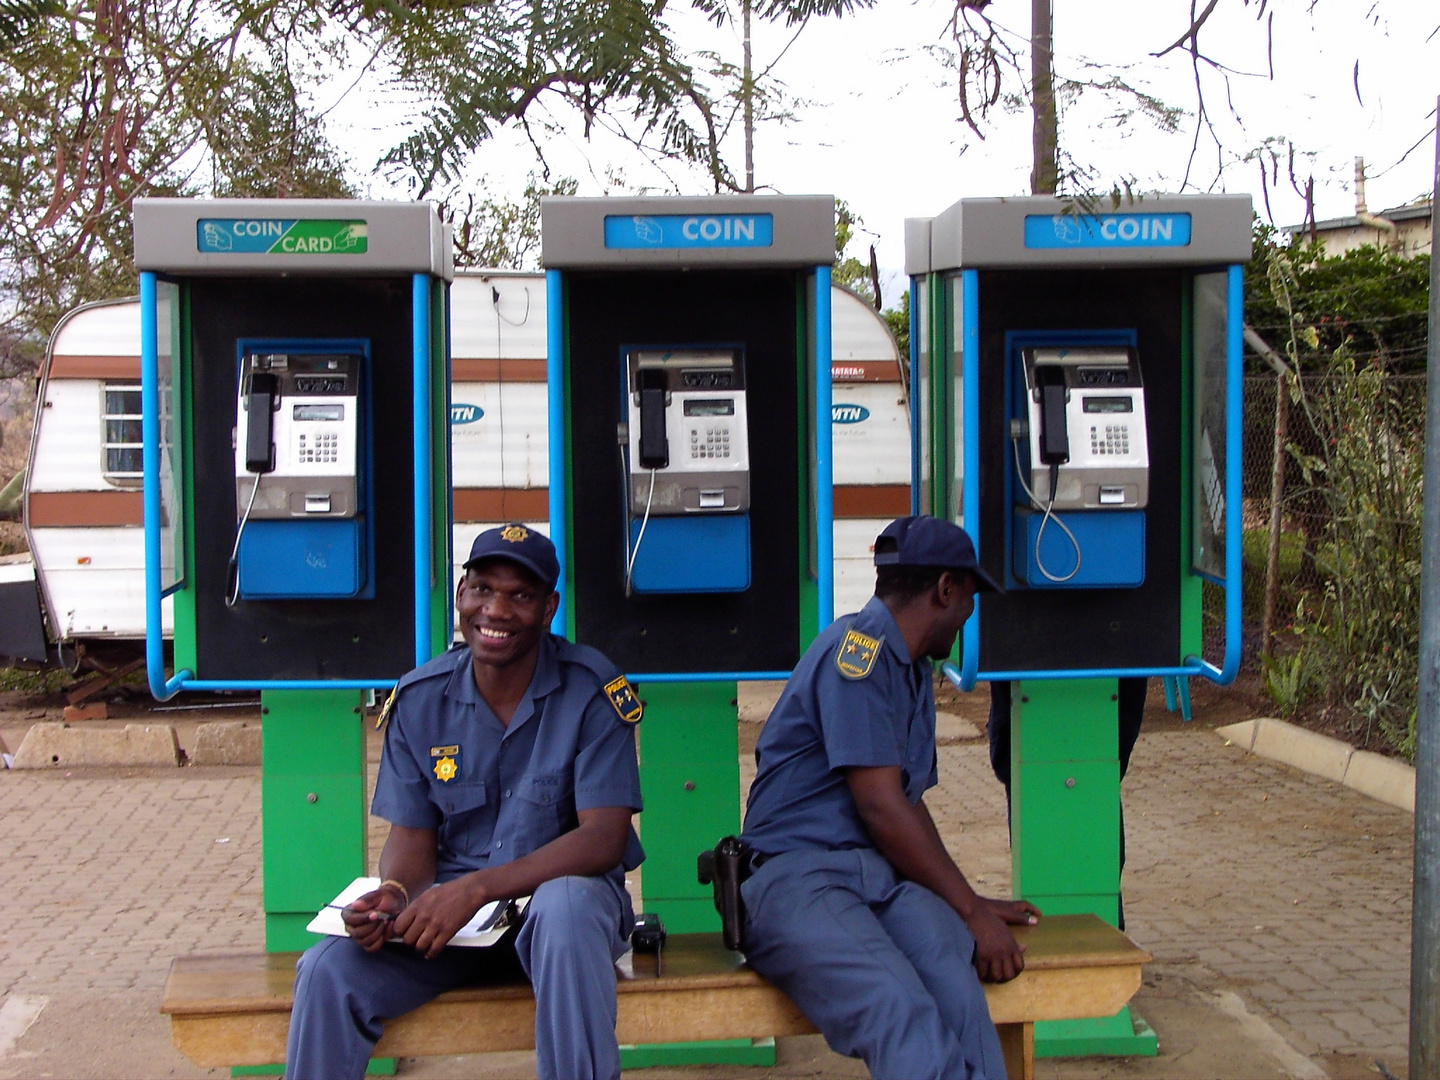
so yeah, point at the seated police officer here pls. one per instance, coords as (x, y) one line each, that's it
(509, 770)
(854, 908)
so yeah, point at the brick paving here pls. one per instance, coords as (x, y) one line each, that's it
(109, 877)
(1244, 875)
(1294, 891)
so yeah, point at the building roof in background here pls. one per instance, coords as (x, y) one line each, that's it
(1409, 212)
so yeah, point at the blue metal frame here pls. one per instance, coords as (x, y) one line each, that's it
(824, 454)
(184, 679)
(555, 389)
(424, 482)
(967, 674)
(970, 437)
(705, 676)
(150, 458)
(916, 284)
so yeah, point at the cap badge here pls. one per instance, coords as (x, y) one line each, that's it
(515, 534)
(622, 696)
(856, 655)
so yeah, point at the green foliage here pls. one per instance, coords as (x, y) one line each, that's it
(1351, 326)
(1365, 463)
(43, 682)
(898, 319)
(1369, 301)
(530, 61)
(18, 18)
(848, 270)
(106, 101)
(1288, 680)
(501, 233)
(269, 146)
(1257, 554)
(793, 12)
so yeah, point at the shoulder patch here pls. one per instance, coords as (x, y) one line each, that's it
(856, 655)
(384, 717)
(622, 696)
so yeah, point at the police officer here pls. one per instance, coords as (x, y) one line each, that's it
(509, 770)
(854, 908)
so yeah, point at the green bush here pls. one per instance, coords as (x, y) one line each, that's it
(1358, 635)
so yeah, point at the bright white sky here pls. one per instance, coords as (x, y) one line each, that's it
(878, 123)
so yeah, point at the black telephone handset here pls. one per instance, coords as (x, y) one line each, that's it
(1054, 430)
(260, 422)
(654, 446)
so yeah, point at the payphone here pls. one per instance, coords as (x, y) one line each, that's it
(1082, 421)
(299, 497)
(688, 471)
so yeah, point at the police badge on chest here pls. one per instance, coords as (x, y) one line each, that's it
(445, 763)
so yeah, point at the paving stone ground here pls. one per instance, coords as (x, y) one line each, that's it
(1276, 904)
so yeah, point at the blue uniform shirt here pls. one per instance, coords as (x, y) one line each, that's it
(497, 793)
(855, 699)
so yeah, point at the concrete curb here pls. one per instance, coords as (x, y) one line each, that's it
(1382, 778)
(229, 742)
(1375, 775)
(59, 746)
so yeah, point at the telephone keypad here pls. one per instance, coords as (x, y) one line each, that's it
(1110, 439)
(320, 449)
(713, 442)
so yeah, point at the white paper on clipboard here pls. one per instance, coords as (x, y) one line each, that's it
(487, 927)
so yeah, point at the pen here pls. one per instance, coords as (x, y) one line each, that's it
(494, 918)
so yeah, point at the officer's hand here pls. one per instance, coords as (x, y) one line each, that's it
(434, 916)
(369, 919)
(998, 956)
(1014, 912)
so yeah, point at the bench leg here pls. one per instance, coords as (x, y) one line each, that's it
(1017, 1042)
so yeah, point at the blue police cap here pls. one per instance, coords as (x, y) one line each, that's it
(520, 544)
(921, 540)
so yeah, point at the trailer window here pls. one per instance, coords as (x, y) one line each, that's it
(124, 466)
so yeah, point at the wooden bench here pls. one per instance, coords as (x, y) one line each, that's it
(235, 1010)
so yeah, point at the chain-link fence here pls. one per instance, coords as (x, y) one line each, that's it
(1332, 540)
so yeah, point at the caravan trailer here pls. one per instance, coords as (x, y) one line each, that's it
(84, 513)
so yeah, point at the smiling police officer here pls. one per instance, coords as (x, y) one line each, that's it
(509, 770)
(854, 908)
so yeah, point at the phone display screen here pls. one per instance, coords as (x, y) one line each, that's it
(1107, 404)
(335, 411)
(710, 407)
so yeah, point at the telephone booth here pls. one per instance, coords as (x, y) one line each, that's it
(690, 487)
(296, 459)
(1077, 410)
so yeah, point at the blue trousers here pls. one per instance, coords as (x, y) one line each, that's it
(574, 930)
(882, 966)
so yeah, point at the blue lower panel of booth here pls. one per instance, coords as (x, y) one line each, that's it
(1111, 551)
(692, 554)
(300, 559)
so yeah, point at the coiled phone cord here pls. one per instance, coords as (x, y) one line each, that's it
(1049, 517)
(232, 593)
